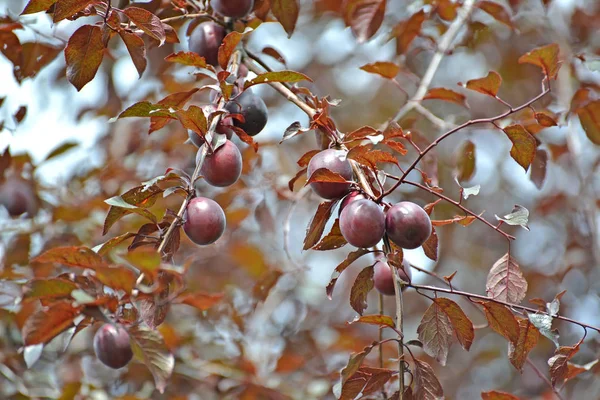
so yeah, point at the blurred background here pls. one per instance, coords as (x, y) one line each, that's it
(69, 148)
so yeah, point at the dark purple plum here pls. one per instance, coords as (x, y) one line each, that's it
(224, 167)
(407, 225)
(204, 221)
(383, 277)
(252, 108)
(335, 161)
(350, 198)
(112, 347)
(233, 8)
(362, 223)
(205, 40)
(18, 197)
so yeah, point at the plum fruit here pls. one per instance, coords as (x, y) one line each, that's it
(407, 225)
(112, 347)
(233, 8)
(362, 223)
(205, 40)
(335, 161)
(224, 167)
(383, 277)
(252, 108)
(204, 221)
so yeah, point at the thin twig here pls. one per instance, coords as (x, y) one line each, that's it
(544, 378)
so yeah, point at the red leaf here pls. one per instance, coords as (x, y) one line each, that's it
(11, 47)
(396, 146)
(466, 161)
(325, 175)
(81, 257)
(317, 224)
(524, 145)
(149, 347)
(355, 255)
(380, 320)
(147, 22)
(44, 325)
(199, 300)
(488, 85)
(544, 119)
(496, 395)
(545, 57)
(386, 69)
(187, 58)
(67, 8)
(333, 240)
(118, 278)
(430, 247)
(35, 6)
(461, 324)
(175, 99)
(34, 57)
(364, 17)
(361, 133)
(360, 289)
(501, 320)
(446, 95)
(194, 119)
(286, 12)
(306, 157)
(497, 11)
(528, 338)
(427, 385)
(435, 332)
(355, 362)
(589, 116)
(137, 50)
(539, 167)
(559, 363)
(83, 55)
(406, 31)
(505, 281)
(227, 47)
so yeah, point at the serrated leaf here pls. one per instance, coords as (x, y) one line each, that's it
(83, 55)
(227, 47)
(361, 133)
(147, 22)
(519, 216)
(488, 85)
(317, 224)
(44, 325)
(360, 290)
(427, 385)
(189, 58)
(435, 332)
(461, 324)
(545, 57)
(277, 76)
(137, 50)
(353, 256)
(446, 95)
(286, 12)
(497, 395)
(380, 320)
(68, 8)
(501, 320)
(543, 323)
(364, 17)
(505, 281)
(333, 240)
(524, 145)
(406, 31)
(72, 256)
(386, 69)
(150, 348)
(589, 116)
(528, 338)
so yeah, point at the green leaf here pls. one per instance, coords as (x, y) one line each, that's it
(83, 55)
(149, 347)
(63, 148)
(49, 288)
(277, 76)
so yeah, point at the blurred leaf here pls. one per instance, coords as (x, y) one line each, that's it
(573, 369)
(154, 311)
(427, 385)
(396, 146)
(35, 6)
(63, 148)
(277, 76)
(270, 51)
(406, 31)
(360, 290)
(501, 320)
(386, 69)
(464, 220)
(10, 46)
(187, 58)
(446, 95)
(353, 256)
(117, 278)
(227, 47)
(381, 320)
(545, 57)
(292, 181)
(518, 216)
(20, 114)
(145, 259)
(286, 12)
(505, 281)
(49, 288)
(361, 133)
(5, 161)
(267, 281)
(83, 55)
(31, 354)
(147, 22)
(73, 256)
(137, 50)
(333, 240)
(250, 257)
(430, 247)
(466, 161)
(67, 8)
(10, 294)
(34, 57)
(524, 145)
(355, 362)
(45, 324)
(364, 17)
(528, 338)
(543, 323)
(105, 247)
(317, 224)
(544, 119)
(131, 201)
(488, 85)
(559, 363)
(539, 167)
(589, 116)
(496, 395)
(150, 348)
(497, 11)
(199, 300)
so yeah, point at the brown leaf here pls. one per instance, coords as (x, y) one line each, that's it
(35, 6)
(589, 116)
(306, 157)
(139, 196)
(118, 278)
(199, 300)
(292, 181)
(406, 31)
(286, 12)
(154, 311)
(446, 95)
(175, 99)
(396, 146)
(44, 325)
(386, 69)
(34, 57)
(528, 338)
(49, 288)
(488, 85)
(377, 378)
(20, 114)
(360, 290)
(355, 362)
(83, 55)
(81, 257)
(364, 17)
(496, 395)
(136, 48)
(227, 47)
(430, 247)
(524, 145)
(317, 224)
(360, 133)
(559, 363)
(67, 8)
(544, 119)
(149, 347)
(461, 324)
(147, 22)
(497, 11)
(270, 51)
(545, 57)
(193, 119)
(187, 58)
(333, 240)
(501, 320)
(539, 167)
(267, 281)
(380, 320)
(427, 385)
(353, 256)
(435, 332)
(466, 161)
(464, 220)
(325, 175)
(505, 281)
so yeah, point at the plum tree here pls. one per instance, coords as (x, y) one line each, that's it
(204, 221)
(206, 39)
(383, 277)
(18, 197)
(407, 225)
(233, 8)
(112, 347)
(350, 198)
(335, 161)
(252, 108)
(362, 223)
(224, 167)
